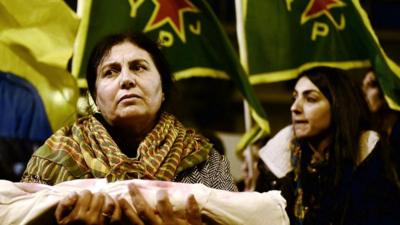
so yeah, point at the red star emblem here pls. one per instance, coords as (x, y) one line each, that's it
(170, 11)
(316, 8)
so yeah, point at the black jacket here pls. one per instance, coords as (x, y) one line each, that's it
(369, 196)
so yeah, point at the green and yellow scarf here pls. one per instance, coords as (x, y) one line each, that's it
(86, 150)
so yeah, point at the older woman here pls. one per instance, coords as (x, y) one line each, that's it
(330, 167)
(131, 136)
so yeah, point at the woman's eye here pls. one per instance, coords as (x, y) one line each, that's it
(311, 99)
(138, 67)
(109, 72)
(294, 97)
(374, 83)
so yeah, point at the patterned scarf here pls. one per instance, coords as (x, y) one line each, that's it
(317, 158)
(299, 209)
(167, 150)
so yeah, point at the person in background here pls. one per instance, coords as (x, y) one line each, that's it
(23, 124)
(249, 168)
(387, 120)
(130, 137)
(328, 164)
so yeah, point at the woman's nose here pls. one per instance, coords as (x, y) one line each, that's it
(127, 80)
(295, 108)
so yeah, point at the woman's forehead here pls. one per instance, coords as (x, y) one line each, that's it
(125, 51)
(305, 84)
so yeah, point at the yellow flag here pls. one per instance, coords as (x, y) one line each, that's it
(36, 42)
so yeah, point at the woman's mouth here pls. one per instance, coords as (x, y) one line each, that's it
(300, 122)
(128, 97)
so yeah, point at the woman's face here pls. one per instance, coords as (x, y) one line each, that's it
(128, 85)
(311, 110)
(372, 93)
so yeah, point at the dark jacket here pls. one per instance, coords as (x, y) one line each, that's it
(367, 196)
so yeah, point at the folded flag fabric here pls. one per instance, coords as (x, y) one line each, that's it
(29, 203)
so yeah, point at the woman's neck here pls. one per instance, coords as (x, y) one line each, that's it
(320, 144)
(128, 136)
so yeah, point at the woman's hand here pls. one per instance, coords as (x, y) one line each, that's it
(87, 208)
(163, 215)
(250, 170)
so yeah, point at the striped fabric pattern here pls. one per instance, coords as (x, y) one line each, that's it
(86, 150)
(214, 173)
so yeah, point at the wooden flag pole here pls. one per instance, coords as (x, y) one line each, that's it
(247, 154)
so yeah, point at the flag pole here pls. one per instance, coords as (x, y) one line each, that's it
(239, 6)
(83, 12)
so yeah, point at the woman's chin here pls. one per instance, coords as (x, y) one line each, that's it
(130, 112)
(300, 133)
(133, 115)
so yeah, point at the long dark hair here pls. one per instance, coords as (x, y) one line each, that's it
(350, 116)
(103, 48)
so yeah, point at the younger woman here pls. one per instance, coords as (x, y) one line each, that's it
(330, 167)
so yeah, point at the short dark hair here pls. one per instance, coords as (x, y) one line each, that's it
(349, 110)
(103, 48)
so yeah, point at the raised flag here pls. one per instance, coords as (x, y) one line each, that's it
(192, 38)
(36, 40)
(283, 38)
